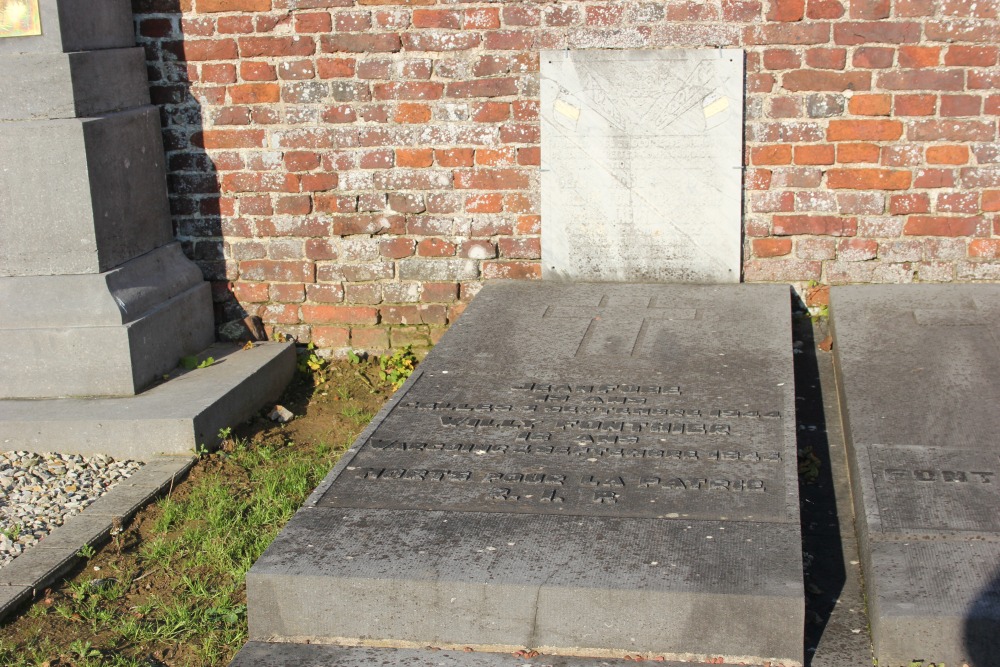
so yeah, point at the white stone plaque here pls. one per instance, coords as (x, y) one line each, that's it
(642, 155)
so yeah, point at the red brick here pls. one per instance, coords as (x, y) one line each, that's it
(818, 295)
(492, 179)
(260, 47)
(869, 10)
(853, 153)
(250, 292)
(991, 200)
(454, 157)
(868, 179)
(825, 225)
(958, 202)
(477, 249)
(370, 339)
(499, 87)
(960, 105)
(861, 203)
(482, 18)
(864, 130)
(930, 225)
(411, 112)
(259, 182)
(313, 22)
(857, 250)
(439, 292)
(255, 93)
(328, 337)
(219, 139)
(807, 80)
(964, 55)
(434, 247)
(787, 33)
(218, 73)
(909, 203)
(335, 68)
(757, 179)
(380, 159)
(877, 32)
(786, 10)
(361, 43)
(437, 18)
(322, 314)
(277, 271)
(484, 203)
(919, 56)
(210, 6)
(781, 59)
(873, 57)
(740, 10)
(826, 58)
(503, 270)
(320, 249)
(293, 205)
(490, 112)
(951, 130)
(980, 177)
(772, 247)
(955, 154)
(911, 8)
(915, 105)
(934, 178)
(191, 50)
(414, 157)
(985, 248)
(509, 40)
(368, 224)
(814, 154)
(917, 79)
(440, 41)
(777, 154)
(870, 105)
(529, 156)
(824, 9)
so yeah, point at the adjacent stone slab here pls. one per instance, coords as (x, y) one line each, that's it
(71, 85)
(77, 25)
(642, 155)
(261, 654)
(105, 197)
(176, 417)
(583, 469)
(134, 322)
(919, 374)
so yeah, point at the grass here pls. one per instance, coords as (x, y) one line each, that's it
(169, 589)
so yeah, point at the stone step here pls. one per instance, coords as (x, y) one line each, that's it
(579, 469)
(919, 375)
(263, 654)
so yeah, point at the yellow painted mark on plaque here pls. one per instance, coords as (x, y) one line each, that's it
(19, 18)
(566, 109)
(717, 106)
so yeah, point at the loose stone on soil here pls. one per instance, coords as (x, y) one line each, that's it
(39, 491)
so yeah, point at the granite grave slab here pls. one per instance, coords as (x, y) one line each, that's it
(919, 376)
(642, 155)
(588, 469)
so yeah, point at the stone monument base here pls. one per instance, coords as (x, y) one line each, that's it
(177, 417)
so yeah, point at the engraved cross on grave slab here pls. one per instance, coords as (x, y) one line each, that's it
(620, 327)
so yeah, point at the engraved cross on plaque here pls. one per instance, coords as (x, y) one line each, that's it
(618, 327)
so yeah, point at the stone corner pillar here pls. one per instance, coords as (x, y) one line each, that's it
(96, 297)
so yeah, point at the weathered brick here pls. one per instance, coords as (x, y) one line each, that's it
(868, 179)
(771, 247)
(336, 314)
(931, 225)
(864, 130)
(951, 154)
(825, 225)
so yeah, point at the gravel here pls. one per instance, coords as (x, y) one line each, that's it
(38, 492)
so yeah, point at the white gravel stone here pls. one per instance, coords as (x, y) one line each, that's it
(38, 492)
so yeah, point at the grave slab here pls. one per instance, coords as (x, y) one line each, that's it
(919, 376)
(589, 469)
(641, 174)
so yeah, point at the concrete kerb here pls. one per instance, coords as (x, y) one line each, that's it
(56, 555)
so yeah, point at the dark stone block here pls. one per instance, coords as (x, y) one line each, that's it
(582, 469)
(919, 374)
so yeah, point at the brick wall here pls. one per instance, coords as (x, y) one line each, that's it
(352, 170)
